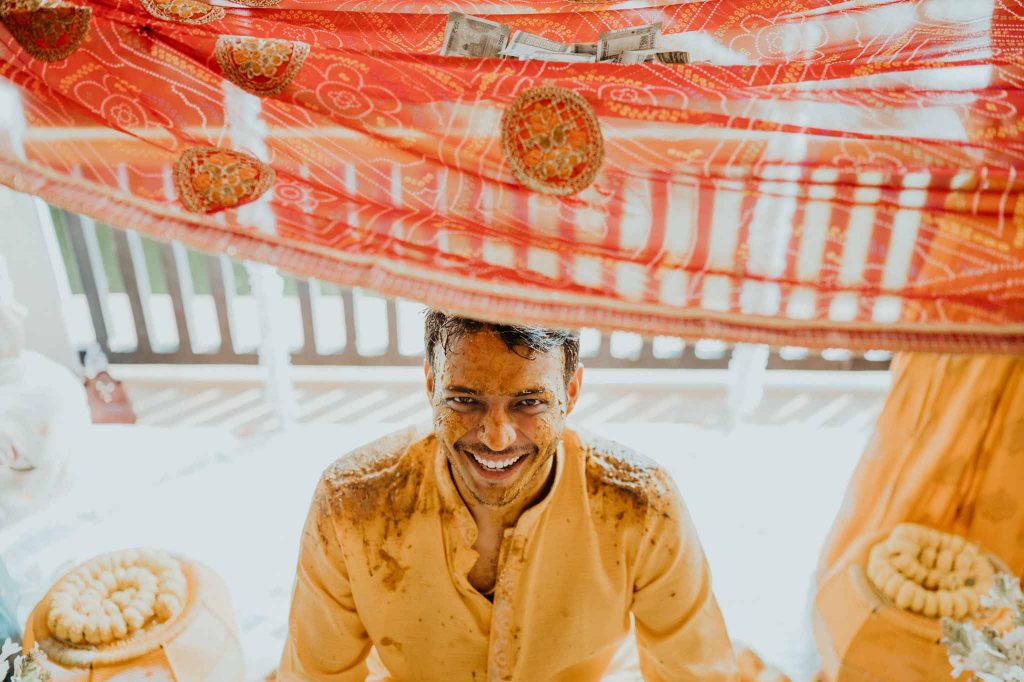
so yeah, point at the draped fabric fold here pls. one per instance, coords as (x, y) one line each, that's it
(824, 174)
(947, 452)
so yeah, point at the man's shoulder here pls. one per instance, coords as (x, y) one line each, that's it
(376, 462)
(376, 489)
(620, 472)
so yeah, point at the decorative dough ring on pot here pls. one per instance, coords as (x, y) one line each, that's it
(928, 572)
(109, 598)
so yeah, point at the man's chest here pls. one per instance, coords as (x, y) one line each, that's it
(484, 574)
(560, 598)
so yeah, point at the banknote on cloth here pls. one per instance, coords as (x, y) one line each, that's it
(611, 44)
(521, 40)
(468, 36)
(523, 45)
(655, 56)
(567, 57)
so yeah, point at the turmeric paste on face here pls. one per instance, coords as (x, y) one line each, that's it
(498, 417)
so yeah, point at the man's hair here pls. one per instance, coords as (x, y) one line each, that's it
(441, 329)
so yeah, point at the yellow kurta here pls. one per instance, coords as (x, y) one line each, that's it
(387, 549)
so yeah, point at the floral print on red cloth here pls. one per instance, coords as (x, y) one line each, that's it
(552, 140)
(257, 3)
(211, 179)
(49, 30)
(193, 12)
(895, 236)
(261, 66)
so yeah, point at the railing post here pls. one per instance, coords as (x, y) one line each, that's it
(136, 286)
(179, 288)
(307, 290)
(348, 307)
(391, 308)
(222, 288)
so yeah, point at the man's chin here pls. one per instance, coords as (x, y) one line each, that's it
(492, 486)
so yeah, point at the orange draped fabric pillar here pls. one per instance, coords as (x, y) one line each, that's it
(947, 452)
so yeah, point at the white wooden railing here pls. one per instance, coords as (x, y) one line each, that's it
(148, 302)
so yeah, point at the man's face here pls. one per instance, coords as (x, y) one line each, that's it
(497, 415)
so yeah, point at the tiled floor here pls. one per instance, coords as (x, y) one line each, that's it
(762, 490)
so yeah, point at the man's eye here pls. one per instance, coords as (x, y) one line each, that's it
(462, 400)
(531, 402)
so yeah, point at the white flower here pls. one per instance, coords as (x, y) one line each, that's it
(992, 656)
(8, 649)
(30, 668)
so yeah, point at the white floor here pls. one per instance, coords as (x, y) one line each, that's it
(762, 497)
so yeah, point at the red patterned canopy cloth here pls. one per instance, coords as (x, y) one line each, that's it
(823, 174)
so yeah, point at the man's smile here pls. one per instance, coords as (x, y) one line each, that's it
(495, 466)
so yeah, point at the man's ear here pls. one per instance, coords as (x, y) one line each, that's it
(572, 391)
(429, 375)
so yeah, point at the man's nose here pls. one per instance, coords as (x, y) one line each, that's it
(497, 431)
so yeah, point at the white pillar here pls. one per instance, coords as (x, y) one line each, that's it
(31, 269)
(768, 237)
(745, 383)
(247, 135)
(36, 275)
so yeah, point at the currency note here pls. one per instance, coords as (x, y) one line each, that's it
(584, 48)
(546, 56)
(522, 39)
(654, 56)
(563, 57)
(672, 57)
(521, 51)
(468, 36)
(611, 44)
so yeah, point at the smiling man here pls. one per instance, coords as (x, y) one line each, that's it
(499, 545)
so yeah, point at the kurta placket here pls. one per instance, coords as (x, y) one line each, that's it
(502, 631)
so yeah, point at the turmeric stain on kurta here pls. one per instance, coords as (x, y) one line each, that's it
(375, 489)
(624, 482)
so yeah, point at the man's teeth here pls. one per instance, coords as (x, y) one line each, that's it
(498, 465)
